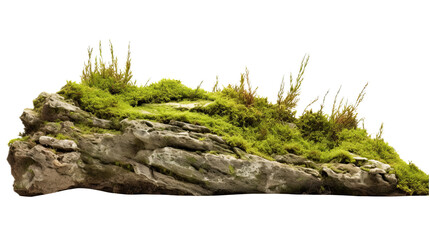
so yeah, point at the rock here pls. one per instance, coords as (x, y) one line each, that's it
(36, 170)
(380, 165)
(176, 158)
(55, 108)
(391, 178)
(377, 171)
(187, 105)
(65, 145)
(351, 180)
(31, 120)
(101, 123)
(290, 159)
(360, 160)
(190, 127)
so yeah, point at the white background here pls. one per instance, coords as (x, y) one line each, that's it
(385, 43)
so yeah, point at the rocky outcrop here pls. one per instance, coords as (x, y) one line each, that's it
(140, 156)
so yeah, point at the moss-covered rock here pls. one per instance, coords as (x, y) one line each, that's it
(172, 158)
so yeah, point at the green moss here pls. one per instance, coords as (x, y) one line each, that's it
(294, 148)
(314, 155)
(191, 159)
(231, 170)
(237, 141)
(17, 139)
(94, 100)
(336, 170)
(314, 126)
(61, 136)
(125, 166)
(85, 129)
(337, 155)
(166, 90)
(38, 103)
(411, 179)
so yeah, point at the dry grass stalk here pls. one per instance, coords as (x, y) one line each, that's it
(311, 103)
(291, 100)
(345, 115)
(215, 87)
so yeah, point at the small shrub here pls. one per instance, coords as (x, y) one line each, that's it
(247, 95)
(345, 116)
(107, 76)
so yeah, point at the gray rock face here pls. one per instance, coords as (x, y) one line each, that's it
(176, 158)
(55, 108)
(353, 181)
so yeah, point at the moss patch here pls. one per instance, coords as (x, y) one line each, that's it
(85, 129)
(17, 139)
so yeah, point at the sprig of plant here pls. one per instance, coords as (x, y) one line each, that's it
(247, 96)
(311, 103)
(195, 93)
(147, 82)
(380, 132)
(323, 103)
(215, 87)
(291, 100)
(286, 105)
